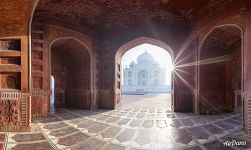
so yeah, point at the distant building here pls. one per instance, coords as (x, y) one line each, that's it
(145, 76)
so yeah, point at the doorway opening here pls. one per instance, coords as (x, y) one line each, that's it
(52, 94)
(146, 78)
(220, 71)
(71, 72)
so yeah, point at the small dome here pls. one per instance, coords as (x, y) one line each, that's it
(132, 64)
(146, 58)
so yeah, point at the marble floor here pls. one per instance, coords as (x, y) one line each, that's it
(131, 127)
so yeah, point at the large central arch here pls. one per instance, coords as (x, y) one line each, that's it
(118, 57)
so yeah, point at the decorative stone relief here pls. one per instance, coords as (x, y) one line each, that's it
(37, 67)
(9, 112)
(36, 105)
(14, 108)
(37, 55)
(39, 104)
(37, 83)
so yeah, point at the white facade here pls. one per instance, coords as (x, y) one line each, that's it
(146, 76)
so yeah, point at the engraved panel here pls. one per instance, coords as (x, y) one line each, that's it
(37, 44)
(37, 55)
(39, 104)
(36, 106)
(37, 83)
(37, 67)
(14, 108)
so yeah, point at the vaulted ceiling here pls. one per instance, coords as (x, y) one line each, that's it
(72, 48)
(122, 13)
(221, 41)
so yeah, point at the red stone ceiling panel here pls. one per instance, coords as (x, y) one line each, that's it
(110, 13)
(71, 9)
(71, 47)
(220, 41)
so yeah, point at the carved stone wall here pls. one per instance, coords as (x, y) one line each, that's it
(14, 105)
(39, 103)
(10, 113)
(14, 80)
(40, 95)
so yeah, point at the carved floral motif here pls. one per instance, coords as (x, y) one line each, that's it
(9, 112)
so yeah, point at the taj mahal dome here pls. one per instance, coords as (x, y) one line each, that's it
(145, 76)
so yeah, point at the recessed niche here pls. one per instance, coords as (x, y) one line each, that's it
(37, 27)
(12, 61)
(10, 44)
(118, 84)
(37, 36)
(118, 67)
(37, 82)
(10, 81)
(37, 67)
(37, 55)
(118, 76)
(37, 44)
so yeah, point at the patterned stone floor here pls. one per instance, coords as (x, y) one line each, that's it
(131, 127)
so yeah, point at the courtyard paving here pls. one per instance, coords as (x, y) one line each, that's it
(139, 124)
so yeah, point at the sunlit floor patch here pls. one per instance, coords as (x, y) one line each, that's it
(138, 125)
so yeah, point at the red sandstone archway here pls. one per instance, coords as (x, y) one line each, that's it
(70, 64)
(220, 71)
(118, 56)
(43, 37)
